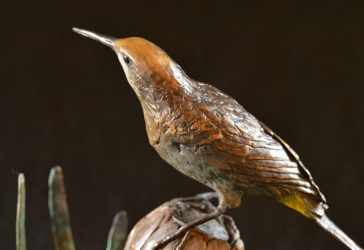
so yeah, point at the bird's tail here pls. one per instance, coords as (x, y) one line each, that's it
(316, 211)
(330, 227)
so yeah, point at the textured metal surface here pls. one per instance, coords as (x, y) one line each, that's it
(220, 233)
(208, 136)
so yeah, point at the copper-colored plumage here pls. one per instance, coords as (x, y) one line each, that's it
(209, 137)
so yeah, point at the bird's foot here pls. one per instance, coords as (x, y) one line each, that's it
(199, 197)
(190, 225)
(207, 196)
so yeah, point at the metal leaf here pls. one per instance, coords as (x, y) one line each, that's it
(20, 215)
(58, 209)
(118, 232)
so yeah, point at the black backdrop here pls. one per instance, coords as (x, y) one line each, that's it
(296, 65)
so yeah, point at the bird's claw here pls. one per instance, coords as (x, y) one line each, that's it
(157, 245)
(203, 196)
(207, 196)
(169, 238)
(161, 243)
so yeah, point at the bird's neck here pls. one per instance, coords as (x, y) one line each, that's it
(162, 102)
(152, 115)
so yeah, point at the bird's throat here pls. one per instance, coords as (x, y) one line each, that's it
(152, 122)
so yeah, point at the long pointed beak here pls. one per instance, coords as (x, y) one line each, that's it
(107, 40)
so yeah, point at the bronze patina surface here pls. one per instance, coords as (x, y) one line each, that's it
(208, 136)
(217, 234)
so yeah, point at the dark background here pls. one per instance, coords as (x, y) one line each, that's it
(64, 100)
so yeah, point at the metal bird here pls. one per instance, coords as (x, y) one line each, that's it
(208, 136)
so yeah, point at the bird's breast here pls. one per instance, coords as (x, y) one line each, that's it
(186, 162)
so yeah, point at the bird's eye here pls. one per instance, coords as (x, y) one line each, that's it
(127, 60)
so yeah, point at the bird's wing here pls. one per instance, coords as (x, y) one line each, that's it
(241, 146)
(295, 156)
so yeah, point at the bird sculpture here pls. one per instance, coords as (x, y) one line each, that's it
(208, 136)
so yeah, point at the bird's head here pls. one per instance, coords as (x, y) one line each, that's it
(141, 60)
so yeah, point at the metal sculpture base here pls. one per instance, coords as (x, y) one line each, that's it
(220, 233)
